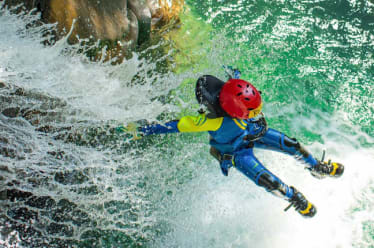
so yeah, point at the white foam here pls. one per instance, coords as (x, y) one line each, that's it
(210, 210)
(232, 212)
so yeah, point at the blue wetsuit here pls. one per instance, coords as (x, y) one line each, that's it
(232, 142)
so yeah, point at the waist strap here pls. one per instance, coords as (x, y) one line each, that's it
(217, 155)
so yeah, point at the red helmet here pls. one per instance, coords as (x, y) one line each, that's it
(239, 98)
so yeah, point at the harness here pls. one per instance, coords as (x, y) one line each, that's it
(207, 94)
(261, 122)
(217, 155)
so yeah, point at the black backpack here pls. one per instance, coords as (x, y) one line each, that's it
(207, 93)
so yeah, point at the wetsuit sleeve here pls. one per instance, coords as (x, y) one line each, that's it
(198, 123)
(169, 127)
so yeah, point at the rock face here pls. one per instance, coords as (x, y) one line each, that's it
(92, 18)
(128, 22)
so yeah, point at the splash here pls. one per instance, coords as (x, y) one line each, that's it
(68, 180)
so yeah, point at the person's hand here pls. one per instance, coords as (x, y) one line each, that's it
(232, 72)
(225, 166)
(130, 129)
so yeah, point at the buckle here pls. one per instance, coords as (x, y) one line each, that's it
(227, 157)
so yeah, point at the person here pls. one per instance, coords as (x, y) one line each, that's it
(237, 126)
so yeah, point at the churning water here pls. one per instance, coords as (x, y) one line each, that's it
(68, 180)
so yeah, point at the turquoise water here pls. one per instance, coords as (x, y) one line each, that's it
(68, 181)
(318, 54)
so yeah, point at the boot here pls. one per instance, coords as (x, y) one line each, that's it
(323, 169)
(301, 204)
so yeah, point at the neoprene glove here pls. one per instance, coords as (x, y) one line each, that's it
(131, 129)
(225, 166)
(231, 72)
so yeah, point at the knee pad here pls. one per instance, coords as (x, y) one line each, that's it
(293, 143)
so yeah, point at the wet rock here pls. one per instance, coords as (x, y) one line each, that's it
(20, 234)
(11, 112)
(45, 129)
(2, 85)
(80, 217)
(19, 92)
(8, 152)
(42, 202)
(57, 154)
(124, 23)
(133, 29)
(71, 177)
(3, 140)
(3, 194)
(100, 19)
(63, 210)
(165, 12)
(144, 18)
(4, 168)
(33, 116)
(14, 195)
(60, 230)
(23, 214)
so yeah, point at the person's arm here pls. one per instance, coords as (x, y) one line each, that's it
(198, 123)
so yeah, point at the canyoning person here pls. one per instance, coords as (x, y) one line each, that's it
(236, 125)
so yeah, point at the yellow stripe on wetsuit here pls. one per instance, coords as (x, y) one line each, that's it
(240, 123)
(199, 123)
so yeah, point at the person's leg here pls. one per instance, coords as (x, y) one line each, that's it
(277, 141)
(248, 164)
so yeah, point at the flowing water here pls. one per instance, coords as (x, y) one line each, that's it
(68, 180)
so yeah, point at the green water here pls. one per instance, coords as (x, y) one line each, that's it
(315, 55)
(313, 61)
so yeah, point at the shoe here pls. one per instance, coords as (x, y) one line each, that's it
(323, 169)
(301, 204)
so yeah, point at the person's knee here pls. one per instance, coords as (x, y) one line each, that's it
(293, 146)
(291, 142)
